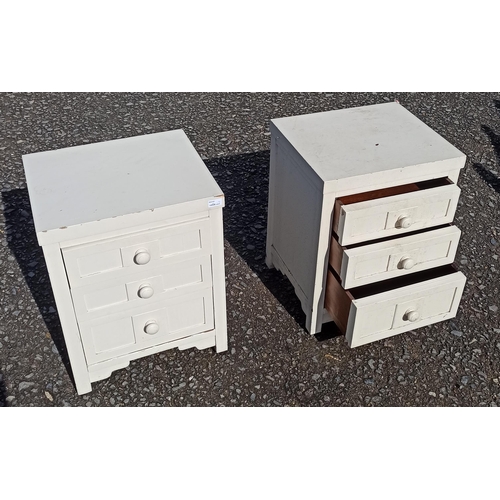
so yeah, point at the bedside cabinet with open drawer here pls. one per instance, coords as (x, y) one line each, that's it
(361, 206)
(131, 230)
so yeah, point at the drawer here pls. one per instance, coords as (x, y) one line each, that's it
(123, 333)
(373, 312)
(396, 256)
(116, 257)
(121, 293)
(393, 211)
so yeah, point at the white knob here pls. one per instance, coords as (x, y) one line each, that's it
(404, 222)
(406, 263)
(142, 257)
(145, 291)
(412, 315)
(151, 327)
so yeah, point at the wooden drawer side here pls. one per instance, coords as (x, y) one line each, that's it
(337, 302)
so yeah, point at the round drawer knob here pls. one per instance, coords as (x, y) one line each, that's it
(412, 315)
(151, 327)
(145, 291)
(406, 263)
(404, 222)
(142, 257)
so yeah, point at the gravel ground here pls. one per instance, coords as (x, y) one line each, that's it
(272, 360)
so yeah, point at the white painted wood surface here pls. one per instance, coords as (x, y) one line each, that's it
(83, 184)
(359, 142)
(386, 314)
(114, 335)
(320, 157)
(385, 260)
(120, 294)
(99, 261)
(133, 237)
(373, 219)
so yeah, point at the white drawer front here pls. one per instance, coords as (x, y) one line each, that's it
(397, 257)
(396, 311)
(122, 333)
(99, 261)
(118, 294)
(382, 217)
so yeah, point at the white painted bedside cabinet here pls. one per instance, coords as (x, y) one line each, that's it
(131, 230)
(361, 203)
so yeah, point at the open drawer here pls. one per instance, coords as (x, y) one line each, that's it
(377, 311)
(397, 210)
(393, 257)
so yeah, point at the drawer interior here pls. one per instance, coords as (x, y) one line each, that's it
(401, 281)
(384, 193)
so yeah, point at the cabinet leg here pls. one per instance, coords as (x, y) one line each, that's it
(269, 262)
(219, 281)
(82, 382)
(221, 341)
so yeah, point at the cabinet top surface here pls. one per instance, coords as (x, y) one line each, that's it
(364, 140)
(80, 184)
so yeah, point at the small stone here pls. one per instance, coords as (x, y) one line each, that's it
(457, 333)
(25, 385)
(433, 394)
(464, 380)
(48, 395)
(493, 308)
(250, 247)
(369, 381)
(252, 397)
(371, 364)
(51, 310)
(10, 398)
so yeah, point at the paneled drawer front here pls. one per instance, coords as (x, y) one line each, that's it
(119, 294)
(388, 259)
(366, 317)
(122, 333)
(399, 214)
(100, 261)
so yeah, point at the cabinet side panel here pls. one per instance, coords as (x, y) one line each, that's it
(296, 206)
(62, 296)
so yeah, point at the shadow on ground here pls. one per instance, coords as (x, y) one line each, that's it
(490, 178)
(244, 179)
(3, 392)
(21, 238)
